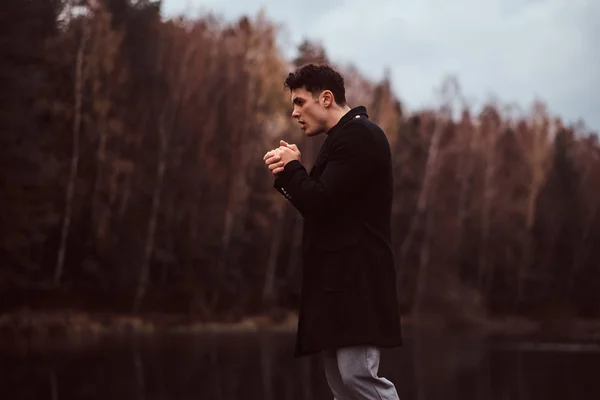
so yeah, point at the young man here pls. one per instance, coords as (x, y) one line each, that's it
(349, 307)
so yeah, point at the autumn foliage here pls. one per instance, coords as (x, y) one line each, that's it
(132, 177)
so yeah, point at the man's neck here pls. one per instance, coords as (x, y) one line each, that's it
(337, 115)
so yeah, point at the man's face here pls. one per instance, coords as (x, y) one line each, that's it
(309, 112)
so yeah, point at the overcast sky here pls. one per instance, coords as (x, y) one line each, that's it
(515, 50)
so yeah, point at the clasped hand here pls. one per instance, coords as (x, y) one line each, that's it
(276, 159)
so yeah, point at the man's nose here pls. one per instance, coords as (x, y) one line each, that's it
(295, 113)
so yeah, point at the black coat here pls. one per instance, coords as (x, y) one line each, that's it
(348, 294)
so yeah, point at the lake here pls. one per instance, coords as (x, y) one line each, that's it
(260, 366)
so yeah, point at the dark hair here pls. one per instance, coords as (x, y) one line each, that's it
(316, 78)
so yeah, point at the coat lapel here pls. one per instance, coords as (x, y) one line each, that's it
(321, 159)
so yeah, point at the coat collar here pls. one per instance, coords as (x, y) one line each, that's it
(356, 112)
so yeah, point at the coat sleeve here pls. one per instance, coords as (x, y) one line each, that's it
(351, 159)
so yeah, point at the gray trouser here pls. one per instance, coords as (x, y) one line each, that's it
(351, 373)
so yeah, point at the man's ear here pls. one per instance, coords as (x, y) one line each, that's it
(327, 98)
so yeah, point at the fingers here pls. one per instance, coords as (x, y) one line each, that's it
(276, 166)
(272, 159)
(269, 154)
(284, 144)
(288, 148)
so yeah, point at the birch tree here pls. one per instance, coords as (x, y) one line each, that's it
(80, 79)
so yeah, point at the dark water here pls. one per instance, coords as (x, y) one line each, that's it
(249, 367)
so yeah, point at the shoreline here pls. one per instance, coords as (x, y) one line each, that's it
(51, 326)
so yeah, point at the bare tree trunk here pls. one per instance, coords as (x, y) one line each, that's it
(226, 238)
(238, 188)
(430, 170)
(99, 214)
(238, 194)
(156, 195)
(79, 84)
(103, 49)
(536, 157)
(243, 208)
(423, 275)
(484, 266)
(580, 251)
(269, 294)
(423, 213)
(466, 167)
(296, 246)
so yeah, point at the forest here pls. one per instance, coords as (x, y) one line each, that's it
(133, 181)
